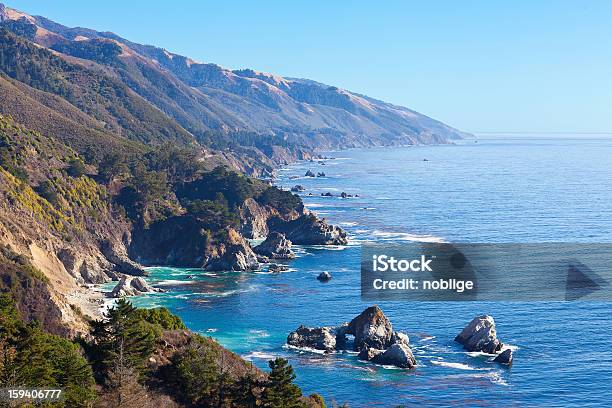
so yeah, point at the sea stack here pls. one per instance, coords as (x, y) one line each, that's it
(480, 335)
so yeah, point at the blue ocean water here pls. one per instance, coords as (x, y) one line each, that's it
(493, 190)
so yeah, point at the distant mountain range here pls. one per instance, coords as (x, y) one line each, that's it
(82, 83)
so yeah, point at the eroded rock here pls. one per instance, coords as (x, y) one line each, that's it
(398, 355)
(309, 230)
(276, 246)
(319, 338)
(480, 335)
(371, 328)
(505, 357)
(324, 277)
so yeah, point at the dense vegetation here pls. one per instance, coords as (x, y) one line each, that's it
(104, 98)
(31, 357)
(112, 368)
(103, 154)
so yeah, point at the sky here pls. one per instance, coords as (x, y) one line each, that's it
(480, 66)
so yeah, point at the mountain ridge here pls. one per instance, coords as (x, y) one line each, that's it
(206, 97)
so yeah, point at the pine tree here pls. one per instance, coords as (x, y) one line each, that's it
(123, 388)
(197, 374)
(280, 391)
(245, 394)
(122, 329)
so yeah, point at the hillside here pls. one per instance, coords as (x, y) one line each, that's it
(149, 94)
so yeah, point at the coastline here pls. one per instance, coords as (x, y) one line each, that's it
(234, 307)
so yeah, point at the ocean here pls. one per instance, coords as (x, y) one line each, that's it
(490, 190)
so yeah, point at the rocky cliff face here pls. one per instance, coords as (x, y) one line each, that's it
(308, 230)
(186, 241)
(62, 225)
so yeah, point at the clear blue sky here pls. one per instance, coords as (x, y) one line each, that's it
(477, 65)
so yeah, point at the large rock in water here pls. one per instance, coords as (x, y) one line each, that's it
(480, 335)
(371, 328)
(319, 338)
(399, 355)
(374, 339)
(275, 246)
(309, 230)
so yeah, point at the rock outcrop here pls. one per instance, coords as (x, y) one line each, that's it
(254, 219)
(371, 328)
(374, 339)
(505, 357)
(276, 268)
(236, 255)
(480, 335)
(324, 276)
(276, 246)
(117, 254)
(309, 230)
(309, 173)
(319, 338)
(398, 355)
(128, 286)
(297, 188)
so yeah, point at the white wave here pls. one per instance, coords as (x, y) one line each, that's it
(368, 208)
(348, 224)
(174, 282)
(260, 355)
(329, 247)
(304, 349)
(427, 338)
(509, 346)
(259, 333)
(315, 205)
(403, 236)
(459, 366)
(211, 330)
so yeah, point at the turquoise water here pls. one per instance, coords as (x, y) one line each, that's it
(510, 190)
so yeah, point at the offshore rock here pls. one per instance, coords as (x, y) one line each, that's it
(309, 173)
(375, 339)
(480, 335)
(309, 230)
(368, 353)
(372, 329)
(276, 246)
(505, 357)
(319, 338)
(324, 276)
(398, 355)
(276, 268)
(399, 337)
